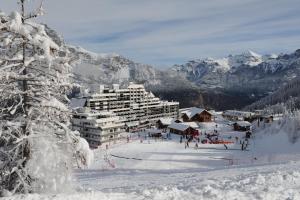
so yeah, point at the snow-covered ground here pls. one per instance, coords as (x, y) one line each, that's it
(165, 169)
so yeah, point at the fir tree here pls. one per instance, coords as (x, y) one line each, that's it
(36, 146)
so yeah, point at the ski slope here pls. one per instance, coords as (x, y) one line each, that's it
(166, 170)
(158, 169)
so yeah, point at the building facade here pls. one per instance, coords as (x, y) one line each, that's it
(133, 105)
(235, 115)
(97, 127)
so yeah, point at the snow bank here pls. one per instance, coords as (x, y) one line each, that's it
(49, 163)
(281, 136)
(266, 182)
(85, 152)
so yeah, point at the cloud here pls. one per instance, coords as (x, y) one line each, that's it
(165, 32)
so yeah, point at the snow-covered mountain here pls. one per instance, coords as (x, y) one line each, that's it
(248, 69)
(249, 75)
(94, 69)
(231, 82)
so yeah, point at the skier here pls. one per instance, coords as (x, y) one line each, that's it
(243, 146)
(236, 139)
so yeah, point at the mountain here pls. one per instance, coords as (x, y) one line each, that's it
(92, 69)
(248, 76)
(288, 95)
(231, 82)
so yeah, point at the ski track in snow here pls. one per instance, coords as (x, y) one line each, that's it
(180, 177)
(268, 182)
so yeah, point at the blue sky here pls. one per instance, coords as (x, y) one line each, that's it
(167, 32)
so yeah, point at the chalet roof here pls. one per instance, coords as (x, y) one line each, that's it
(167, 120)
(191, 124)
(243, 123)
(179, 126)
(191, 112)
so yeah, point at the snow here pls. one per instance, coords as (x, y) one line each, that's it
(166, 120)
(86, 153)
(191, 124)
(147, 168)
(243, 123)
(179, 126)
(168, 171)
(191, 112)
(54, 103)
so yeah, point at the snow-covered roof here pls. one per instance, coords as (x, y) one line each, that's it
(136, 86)
(243, 123)
(191, 124)
(130, 124)
(167, 120)
(179, 126)
(77, 102)
(151, 94)
(191, 112)
(237, 113)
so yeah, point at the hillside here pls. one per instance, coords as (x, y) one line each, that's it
(289, 95)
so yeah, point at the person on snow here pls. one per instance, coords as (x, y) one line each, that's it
(226, 147)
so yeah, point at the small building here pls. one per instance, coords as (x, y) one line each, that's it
(267, 119)
(182, 129)
(153, 132)
(163, 123)
(242, 126)
(194, 114)
(236, 115)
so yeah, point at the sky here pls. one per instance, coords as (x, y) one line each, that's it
(167, 32)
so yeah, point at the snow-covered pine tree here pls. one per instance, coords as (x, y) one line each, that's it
(36, 145)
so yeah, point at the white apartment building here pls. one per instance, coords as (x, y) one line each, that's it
(134, 105)
(97, 127)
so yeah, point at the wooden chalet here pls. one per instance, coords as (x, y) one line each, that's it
(242, 126)
(196, 115)
(163, 123)
(182, 129)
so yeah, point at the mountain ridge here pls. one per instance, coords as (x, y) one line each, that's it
(231, 82)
